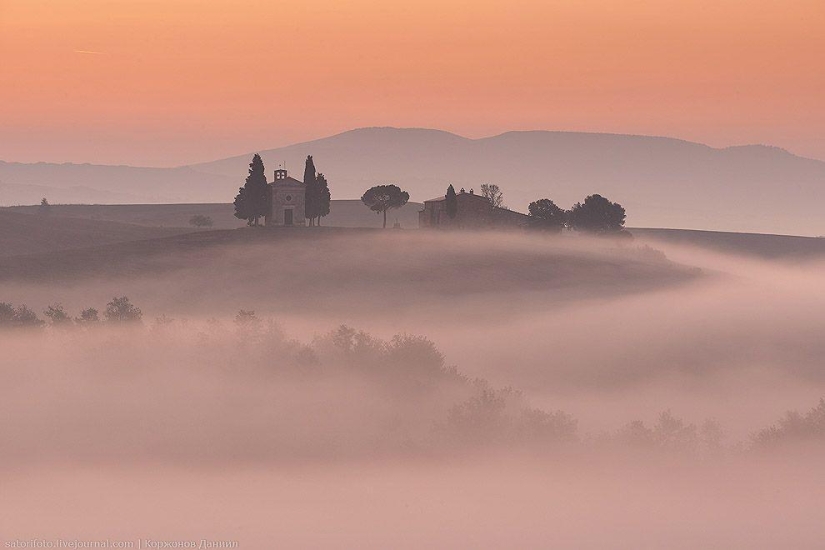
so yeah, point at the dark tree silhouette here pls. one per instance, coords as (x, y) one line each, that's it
(243, 207)
(57, 315)
(254, 198)
(88, 315)
(121, 310)
(45, 207)
(451, 201)
(492, 193)
(323, 196)
(544, 214)
(794, 428)
(246, 318)
(381, 198)
(312, 198)
(18, 317)
(597, 215)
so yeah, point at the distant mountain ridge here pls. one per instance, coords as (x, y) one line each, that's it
(663, 182)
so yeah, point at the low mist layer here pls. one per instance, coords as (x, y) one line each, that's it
(415, 389)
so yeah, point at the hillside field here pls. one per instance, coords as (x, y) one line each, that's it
(343, 213)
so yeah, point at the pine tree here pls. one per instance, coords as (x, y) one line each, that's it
(381, 198)
(312, 198)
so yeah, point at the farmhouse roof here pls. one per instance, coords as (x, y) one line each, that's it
(444, 197)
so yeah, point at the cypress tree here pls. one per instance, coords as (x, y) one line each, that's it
(311, 200)
(257, 188)
(254, 199)
(452, 202)
(242, 209)
(323, 196)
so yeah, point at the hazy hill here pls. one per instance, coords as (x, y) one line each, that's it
(47, 233)
(342, 270)
(89, 183)
(343, 213)
(662, 182)
(772, 247)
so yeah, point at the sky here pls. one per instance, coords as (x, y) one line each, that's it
(172, 82)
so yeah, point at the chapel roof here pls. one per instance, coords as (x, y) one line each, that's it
(289, 180)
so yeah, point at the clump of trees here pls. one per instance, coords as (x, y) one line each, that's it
(57, 315)
(501, 417)
(18, 317)
(381, 198)
(794, 428)
(493, 193)
(199, 220)
(596, 215)
(254, 199)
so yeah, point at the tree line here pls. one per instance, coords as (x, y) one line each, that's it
(595, 215)
(120, 310)
(483, 416)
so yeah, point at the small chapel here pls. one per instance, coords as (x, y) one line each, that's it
(288, 200)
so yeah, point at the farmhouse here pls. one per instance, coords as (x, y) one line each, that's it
(288, 200)
(472, 212)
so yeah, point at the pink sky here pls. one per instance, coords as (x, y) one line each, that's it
(151, 82)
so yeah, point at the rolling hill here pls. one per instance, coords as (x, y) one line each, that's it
(662, 182)
(343, 213)
(89, 183)
(26, 234)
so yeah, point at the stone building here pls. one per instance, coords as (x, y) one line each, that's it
(288, 199)
(473, 212)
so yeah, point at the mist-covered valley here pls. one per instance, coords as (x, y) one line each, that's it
(408, 389)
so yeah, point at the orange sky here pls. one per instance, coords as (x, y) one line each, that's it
(165, 82)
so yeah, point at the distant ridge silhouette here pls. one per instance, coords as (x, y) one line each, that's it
(663, 182)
